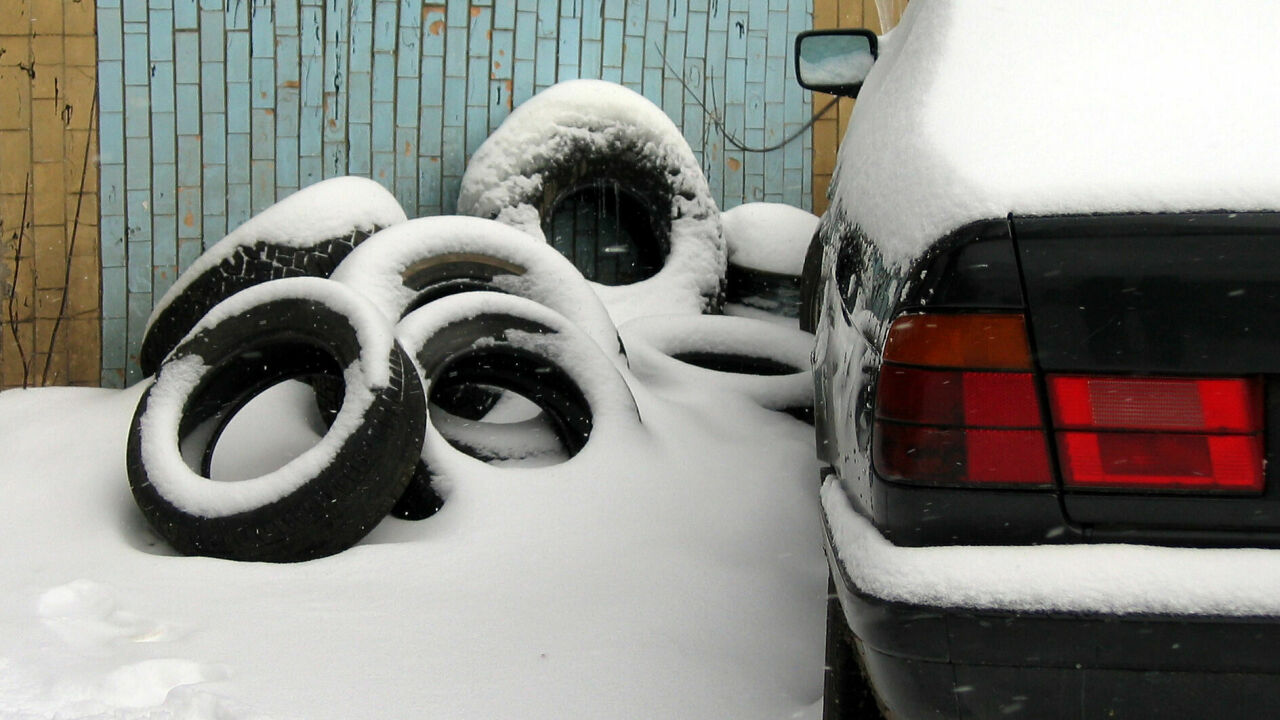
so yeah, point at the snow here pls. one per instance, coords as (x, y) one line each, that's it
(768, 236)
(570, 117)
(328, 209)
(378, 266)
(1103, 578)
(676, 573)
(652, 341)
(983, 108)
(197, 495)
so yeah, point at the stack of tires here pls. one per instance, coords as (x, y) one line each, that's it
(421, 340)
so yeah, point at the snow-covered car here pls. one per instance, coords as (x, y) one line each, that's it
(1046, 299)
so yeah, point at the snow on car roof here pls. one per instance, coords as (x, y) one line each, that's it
(980, 109)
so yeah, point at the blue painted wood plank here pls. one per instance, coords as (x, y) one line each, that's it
(632, 60)
(110, 35)
(429, 137)
(454, 156)
(405, 186)
(186, 14)
(139, 267)
(163, 138)
(636, 15)
(262, 83)
(286, 164)
(360, 148)
(429, 201)
(653, 85)
(611, 47)
(188, 160)
(544, 69)
(114, 292)
(548, 19)
(237, 12)
(615, 9)
(383, 128)
(262, 31)
(455, 101)
(383, 78)
(286, 17)
(522, 83)
(160, 35)
(360, 98)
(137, 167)
(449, 194)
(239, 204)
(526, 35)
(569, 43)
(239, 154)
(406, 53)
(239, 107)
(500, 103)
(189, 250)
(137, 69)
(502, 55)
(478, 82)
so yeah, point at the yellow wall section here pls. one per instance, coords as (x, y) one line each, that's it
(49, 263)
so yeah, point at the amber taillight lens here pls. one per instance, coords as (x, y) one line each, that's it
(956, 403)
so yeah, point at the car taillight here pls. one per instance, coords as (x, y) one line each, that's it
(1194, 434)
(956, 403)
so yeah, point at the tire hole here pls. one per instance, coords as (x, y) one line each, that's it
(608, 232)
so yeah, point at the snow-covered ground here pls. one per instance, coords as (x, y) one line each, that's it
(679, 575)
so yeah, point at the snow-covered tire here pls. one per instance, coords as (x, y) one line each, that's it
(585, 132)
(306, 234)
(764, 361)
(767, 243)
(322, 501)
(773, 293)
(404, 267)
(518, 345)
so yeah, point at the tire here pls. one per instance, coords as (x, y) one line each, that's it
(810, 285)
(322, 501)
(305, 234)
(402, 268)
(517, 345)
(591, 135)
(767, 243)
(758, 359)
(773, 293)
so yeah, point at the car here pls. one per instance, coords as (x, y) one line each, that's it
(1046, 306)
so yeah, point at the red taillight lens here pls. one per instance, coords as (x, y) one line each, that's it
(1159, 433)
(956, 403)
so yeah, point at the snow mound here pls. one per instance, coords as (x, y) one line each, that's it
(581, 118)
(982, 108)
(772, 237)
(331, 208)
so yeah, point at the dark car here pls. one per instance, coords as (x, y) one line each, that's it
(1047, 318)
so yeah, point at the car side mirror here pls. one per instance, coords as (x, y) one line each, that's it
(834, 61)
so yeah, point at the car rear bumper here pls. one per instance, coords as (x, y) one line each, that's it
(930, 660)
